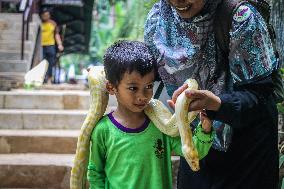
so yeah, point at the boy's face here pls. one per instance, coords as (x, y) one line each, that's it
(134, 92)
(45, 16)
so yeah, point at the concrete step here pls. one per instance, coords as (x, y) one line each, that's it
(37, 99)
(14, 16)
(43, 170)
(15, 76)
(15, 45)
(11, 16)
(12, 26)
(14, 65)
(35, 170)
(43, 119)
(14, 55)
(57, 99)
(9, 80)
(38, 141)
(7, 84)
(65, 86)
(14, 36)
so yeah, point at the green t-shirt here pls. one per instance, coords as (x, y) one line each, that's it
(123, 158)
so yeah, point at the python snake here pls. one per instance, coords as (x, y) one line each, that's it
(158, 113)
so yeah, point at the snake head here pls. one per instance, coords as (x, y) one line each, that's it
(191, 157)
(194, 165)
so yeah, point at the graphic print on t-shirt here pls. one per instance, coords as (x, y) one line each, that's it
(159, 148)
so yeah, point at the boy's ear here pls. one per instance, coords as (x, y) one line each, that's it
(110, 88)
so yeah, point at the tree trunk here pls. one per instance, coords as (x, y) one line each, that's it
(277, 19)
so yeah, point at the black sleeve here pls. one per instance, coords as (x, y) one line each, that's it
(245, 104)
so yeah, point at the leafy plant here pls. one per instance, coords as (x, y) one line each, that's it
(112, 20)
(280, 106)
(117, 20)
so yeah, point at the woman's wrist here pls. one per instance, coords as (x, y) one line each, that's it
(213, 101)
(217, 103)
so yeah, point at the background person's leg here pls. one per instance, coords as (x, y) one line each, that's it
(49, 53)
(52, 60)
(46, 56)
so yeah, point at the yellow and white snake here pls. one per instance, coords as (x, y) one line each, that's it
(172, 125)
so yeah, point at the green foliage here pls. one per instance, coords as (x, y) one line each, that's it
(280, 106)
(149, 4)
(117, 20)
(78, 60)
(281, 163)
(112, 20)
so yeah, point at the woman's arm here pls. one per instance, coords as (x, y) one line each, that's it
(245, 105)
(237, 108)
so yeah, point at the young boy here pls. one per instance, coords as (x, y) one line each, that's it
(127, 150)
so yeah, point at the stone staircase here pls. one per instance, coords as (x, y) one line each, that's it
(38, 136)
(12, 68)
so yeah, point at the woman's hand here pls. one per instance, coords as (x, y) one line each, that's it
(201, 99)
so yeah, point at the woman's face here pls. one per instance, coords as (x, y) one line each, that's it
(187, 8)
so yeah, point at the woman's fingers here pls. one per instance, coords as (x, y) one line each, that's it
(197, 97)
(203, 99)
(195, 94)
(178, 92)
(171, 104)
(196, 105)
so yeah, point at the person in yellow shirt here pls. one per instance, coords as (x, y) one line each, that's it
(50, 40)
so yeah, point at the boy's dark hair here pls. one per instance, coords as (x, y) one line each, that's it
(127, 56)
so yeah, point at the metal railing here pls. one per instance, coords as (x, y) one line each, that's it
(26, 7)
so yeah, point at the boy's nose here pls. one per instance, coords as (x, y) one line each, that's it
(142, 98)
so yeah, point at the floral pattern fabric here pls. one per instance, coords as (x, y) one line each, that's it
(186, 48)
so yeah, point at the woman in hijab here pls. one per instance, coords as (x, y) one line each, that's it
(236, 89)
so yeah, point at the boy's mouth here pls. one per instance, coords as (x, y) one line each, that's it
(140, 105)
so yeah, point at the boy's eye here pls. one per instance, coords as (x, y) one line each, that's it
(150, 86)
(132, 88)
